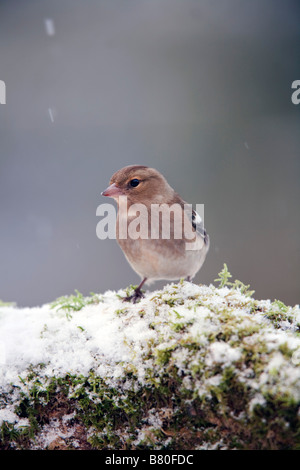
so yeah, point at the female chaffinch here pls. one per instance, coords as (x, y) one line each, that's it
(150, 252)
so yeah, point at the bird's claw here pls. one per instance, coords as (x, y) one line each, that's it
(137, 295)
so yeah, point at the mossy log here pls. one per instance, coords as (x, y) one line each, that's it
(188, 367)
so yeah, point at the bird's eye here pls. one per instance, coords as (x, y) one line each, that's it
(134, 183)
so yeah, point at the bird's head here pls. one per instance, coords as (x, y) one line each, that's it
(140, 184)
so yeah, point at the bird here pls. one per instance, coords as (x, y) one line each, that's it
(154, 256)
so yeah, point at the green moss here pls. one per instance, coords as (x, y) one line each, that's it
(279, 312)
(108, 415)
(75, 302)
(7, 304)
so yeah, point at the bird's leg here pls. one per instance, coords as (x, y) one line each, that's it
(188, 279)
(138, 294)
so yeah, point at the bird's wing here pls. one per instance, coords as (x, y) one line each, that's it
(197, 224)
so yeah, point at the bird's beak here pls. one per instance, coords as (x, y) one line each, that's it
(113, 191)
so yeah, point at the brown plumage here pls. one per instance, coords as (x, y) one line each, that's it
(156, 257)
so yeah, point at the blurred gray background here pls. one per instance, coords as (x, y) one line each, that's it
(199, 89)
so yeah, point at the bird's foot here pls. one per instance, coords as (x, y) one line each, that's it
(135, 297)
(189, 279)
